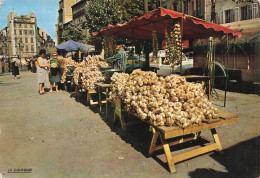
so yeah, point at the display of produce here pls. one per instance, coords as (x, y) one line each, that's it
(118, 84)
(155, 59)
(163, 101)
(88, 72)
(173, 46)
(64, 64)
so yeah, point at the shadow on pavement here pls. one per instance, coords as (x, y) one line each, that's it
(241, 160)
(243, 87)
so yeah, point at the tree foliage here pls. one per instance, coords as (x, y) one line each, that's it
(74, 32)
(100, 13)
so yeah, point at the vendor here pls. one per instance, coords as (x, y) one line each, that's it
(119, 59)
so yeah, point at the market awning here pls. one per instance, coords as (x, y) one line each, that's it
(140, 28)
(74, 46)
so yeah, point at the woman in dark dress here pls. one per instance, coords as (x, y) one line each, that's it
(54, 72)
(15, 68)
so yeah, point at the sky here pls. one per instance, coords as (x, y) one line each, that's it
(46, 12)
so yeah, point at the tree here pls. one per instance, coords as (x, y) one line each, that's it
(75, 33)
(100, 13)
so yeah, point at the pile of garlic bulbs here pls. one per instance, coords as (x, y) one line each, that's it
(89, 71)
(163, 101)
(118, 84)
(63, 64)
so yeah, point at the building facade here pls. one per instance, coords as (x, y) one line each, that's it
(65, 16)
(21, 34)
(45, 41)
(78, 11)
(195, 8)
(21, 38)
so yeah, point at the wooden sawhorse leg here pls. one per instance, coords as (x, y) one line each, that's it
(106, 104)
(173, 159)
(121, 118)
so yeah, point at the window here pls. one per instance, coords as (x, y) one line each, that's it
(185, 3)
(31, 25)
(255, 11)
(32, 48)
(246, 12)
(236, 14)
(31, 32)
(15, 32)
(25, 25)
(31, 40)
(26, 40)
(21, 40)
(221, 17)
(20, 25)
(174, 6)
(20, 32)
(229, 16)
(25, 32)
(27, 49)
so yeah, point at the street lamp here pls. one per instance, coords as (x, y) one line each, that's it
(20, 46)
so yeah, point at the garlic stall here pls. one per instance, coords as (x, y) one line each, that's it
(88, 72)
(162, 101)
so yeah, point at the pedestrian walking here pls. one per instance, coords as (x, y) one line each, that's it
(3, 66)
(29, 64)
(15, 68)
(42, 71)
(54, 72)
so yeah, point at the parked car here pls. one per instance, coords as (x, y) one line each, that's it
(187, 63)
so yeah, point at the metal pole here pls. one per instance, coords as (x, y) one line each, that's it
(181, 42)
(225, 98)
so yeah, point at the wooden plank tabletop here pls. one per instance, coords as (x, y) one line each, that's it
(225, 118)
(196, 77)
(103, 85)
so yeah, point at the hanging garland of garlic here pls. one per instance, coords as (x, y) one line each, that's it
(176, 46)
(155, 47)
(173, 46)
(164, 101)
(167, 41)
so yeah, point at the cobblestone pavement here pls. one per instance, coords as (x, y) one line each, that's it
(57, 136)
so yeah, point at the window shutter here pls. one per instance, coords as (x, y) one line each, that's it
(236, 14)
(231, 15)
(254, 10)
(221, 17)
(249, 12)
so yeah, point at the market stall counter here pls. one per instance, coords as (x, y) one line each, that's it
(180, 135)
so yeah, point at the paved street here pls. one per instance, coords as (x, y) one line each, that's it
(56, 136)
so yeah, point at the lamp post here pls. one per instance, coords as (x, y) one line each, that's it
(20, 46)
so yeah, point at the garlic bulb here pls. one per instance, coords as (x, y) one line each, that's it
(163, 101)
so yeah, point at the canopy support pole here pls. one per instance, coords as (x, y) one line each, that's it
(181, 43)
(225, 97)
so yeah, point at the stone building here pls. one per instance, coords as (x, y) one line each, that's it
(195, 8)
(21, 34)
(78, 11)
(44, 41)
(65, 15)
(21, 38)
